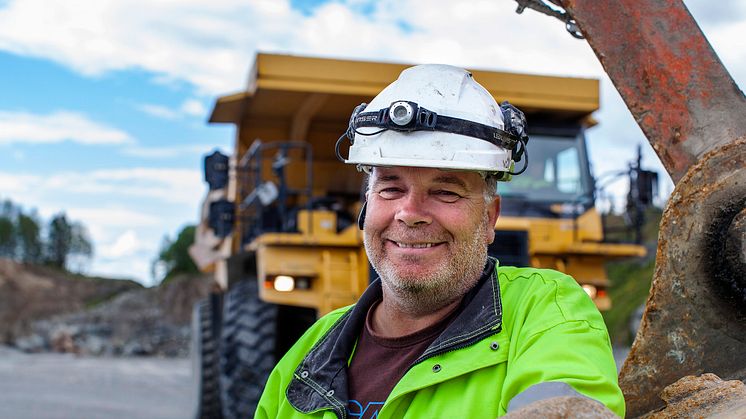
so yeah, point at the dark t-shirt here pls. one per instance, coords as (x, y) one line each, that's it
(379, 363)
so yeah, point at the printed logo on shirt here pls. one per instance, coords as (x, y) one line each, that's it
(356, 410)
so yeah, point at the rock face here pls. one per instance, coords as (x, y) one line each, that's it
(706, 396)
(29, 293)
(45, 310)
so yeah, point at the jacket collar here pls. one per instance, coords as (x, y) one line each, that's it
(320, 381)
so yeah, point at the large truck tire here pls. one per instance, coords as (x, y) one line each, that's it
(206, 359)
(247, 349)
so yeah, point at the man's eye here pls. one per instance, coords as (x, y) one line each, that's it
(390, 193)
(447, 196)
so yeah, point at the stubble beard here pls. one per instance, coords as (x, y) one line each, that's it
(426, 293)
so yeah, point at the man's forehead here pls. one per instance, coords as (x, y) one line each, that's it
(460, 178)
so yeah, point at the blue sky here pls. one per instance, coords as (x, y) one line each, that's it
(103, 105)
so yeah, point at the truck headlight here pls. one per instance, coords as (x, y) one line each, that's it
(284, 283)
(590, 290)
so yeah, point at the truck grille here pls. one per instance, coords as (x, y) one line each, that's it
(510, 248)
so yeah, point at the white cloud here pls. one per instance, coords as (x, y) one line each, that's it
(709, 13)
(137, 198)
(126, 211)
(730, 44)
(177, 186)
(211, 44)
(125, 245)
(204, 43)
(166, 151)
(486, 34)
(192, 108)
(113, 217)
(137, 268)
(24, 127)
(158, 111)
(12, 183)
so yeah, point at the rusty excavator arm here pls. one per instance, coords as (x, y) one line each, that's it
(694, 116)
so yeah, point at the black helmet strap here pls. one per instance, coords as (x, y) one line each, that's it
(405, 116)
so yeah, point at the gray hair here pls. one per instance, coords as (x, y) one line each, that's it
(490, 187)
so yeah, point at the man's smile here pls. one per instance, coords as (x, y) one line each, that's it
(414, 246)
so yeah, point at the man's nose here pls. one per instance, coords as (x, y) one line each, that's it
(413, 211)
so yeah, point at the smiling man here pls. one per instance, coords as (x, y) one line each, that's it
(427, 233)
(445, 332)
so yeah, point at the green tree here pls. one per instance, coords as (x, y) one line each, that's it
(173, 257)
(28, 232)
(81, 249)
(8, 241)
(66, 240)
(7, 237)
(80, 244)
(8, 209)
(58, 241)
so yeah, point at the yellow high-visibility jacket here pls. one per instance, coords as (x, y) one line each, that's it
(519, 327)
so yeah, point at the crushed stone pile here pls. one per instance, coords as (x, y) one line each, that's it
(45, 310)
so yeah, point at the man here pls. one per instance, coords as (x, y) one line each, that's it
(445, 332)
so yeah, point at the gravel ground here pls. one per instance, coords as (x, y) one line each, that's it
(63, 386)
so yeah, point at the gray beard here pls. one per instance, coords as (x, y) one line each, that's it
(427, 294)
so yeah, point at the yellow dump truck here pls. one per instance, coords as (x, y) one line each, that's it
(279, 221)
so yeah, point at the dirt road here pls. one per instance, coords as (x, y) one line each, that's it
(57, 386)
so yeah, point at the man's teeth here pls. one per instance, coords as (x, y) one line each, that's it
(414, 245)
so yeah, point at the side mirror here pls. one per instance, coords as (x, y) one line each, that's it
(216, 170)
(221, 217)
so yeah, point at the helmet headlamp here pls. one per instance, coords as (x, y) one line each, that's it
(408, 116)
(401, 113)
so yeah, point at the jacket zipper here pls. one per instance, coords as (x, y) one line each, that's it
(456, 346)
(453, 347)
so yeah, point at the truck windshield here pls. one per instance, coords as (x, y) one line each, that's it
(557, 171)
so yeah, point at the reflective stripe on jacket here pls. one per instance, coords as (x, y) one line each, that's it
(519, 327)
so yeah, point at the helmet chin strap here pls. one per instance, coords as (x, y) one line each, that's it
(361, 215)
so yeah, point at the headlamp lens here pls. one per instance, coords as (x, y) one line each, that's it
(401, 113)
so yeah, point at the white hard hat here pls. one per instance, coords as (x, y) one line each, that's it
(436, 116)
